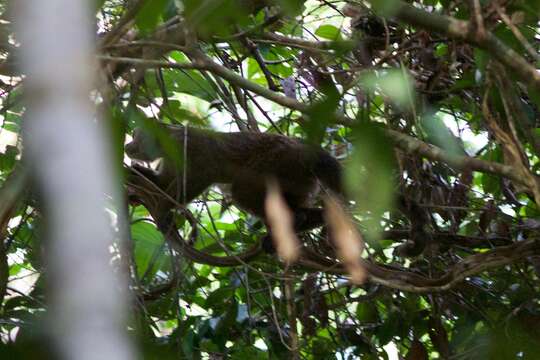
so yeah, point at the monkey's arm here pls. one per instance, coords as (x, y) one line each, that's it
(140, 178)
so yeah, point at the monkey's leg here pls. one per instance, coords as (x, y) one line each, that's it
(139, 177)
(308, 218)
(250, 196)
(139, 173)
(305, 219)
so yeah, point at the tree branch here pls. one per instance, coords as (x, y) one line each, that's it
(462, 30)
(408, 281)
(405, 142)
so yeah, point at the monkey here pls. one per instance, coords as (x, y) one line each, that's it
(245, 161)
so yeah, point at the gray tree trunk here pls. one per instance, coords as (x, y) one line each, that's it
(65, 148)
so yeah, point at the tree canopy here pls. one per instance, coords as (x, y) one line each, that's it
(431, 106)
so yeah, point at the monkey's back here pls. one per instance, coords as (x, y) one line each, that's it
(256, 158)
(245, 160)
(252, 157)
(266, 153)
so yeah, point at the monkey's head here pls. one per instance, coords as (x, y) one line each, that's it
(144, 146)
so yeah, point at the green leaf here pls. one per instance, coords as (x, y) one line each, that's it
(394, 83)
(228, 320)
(150, 15)
(329, 32)
(217, 17)
(441, 50)
(491, 183)
(148, 243)
(291, 7)
(389, 329)
(481, 58)
(176, 113)
(8, 159)
(189, 82)
(371, 167)
(218, 300)
(438, 134)
(385, 8)
(243, 352)
(366, 312)
(321, 115)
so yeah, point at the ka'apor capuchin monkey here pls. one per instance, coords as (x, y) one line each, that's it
(246, 161)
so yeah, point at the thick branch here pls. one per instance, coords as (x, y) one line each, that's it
(412, 145)
(271, 38)
(405, 142)
(408, 281)
(472, 265)
(462, 30)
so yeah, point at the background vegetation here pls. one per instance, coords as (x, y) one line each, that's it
(435, 100)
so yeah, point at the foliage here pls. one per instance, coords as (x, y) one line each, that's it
(437, 102)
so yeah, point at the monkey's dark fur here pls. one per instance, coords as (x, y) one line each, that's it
(244, 160)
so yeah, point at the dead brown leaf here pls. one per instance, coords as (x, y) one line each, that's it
(348, 240)
(281, 222)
